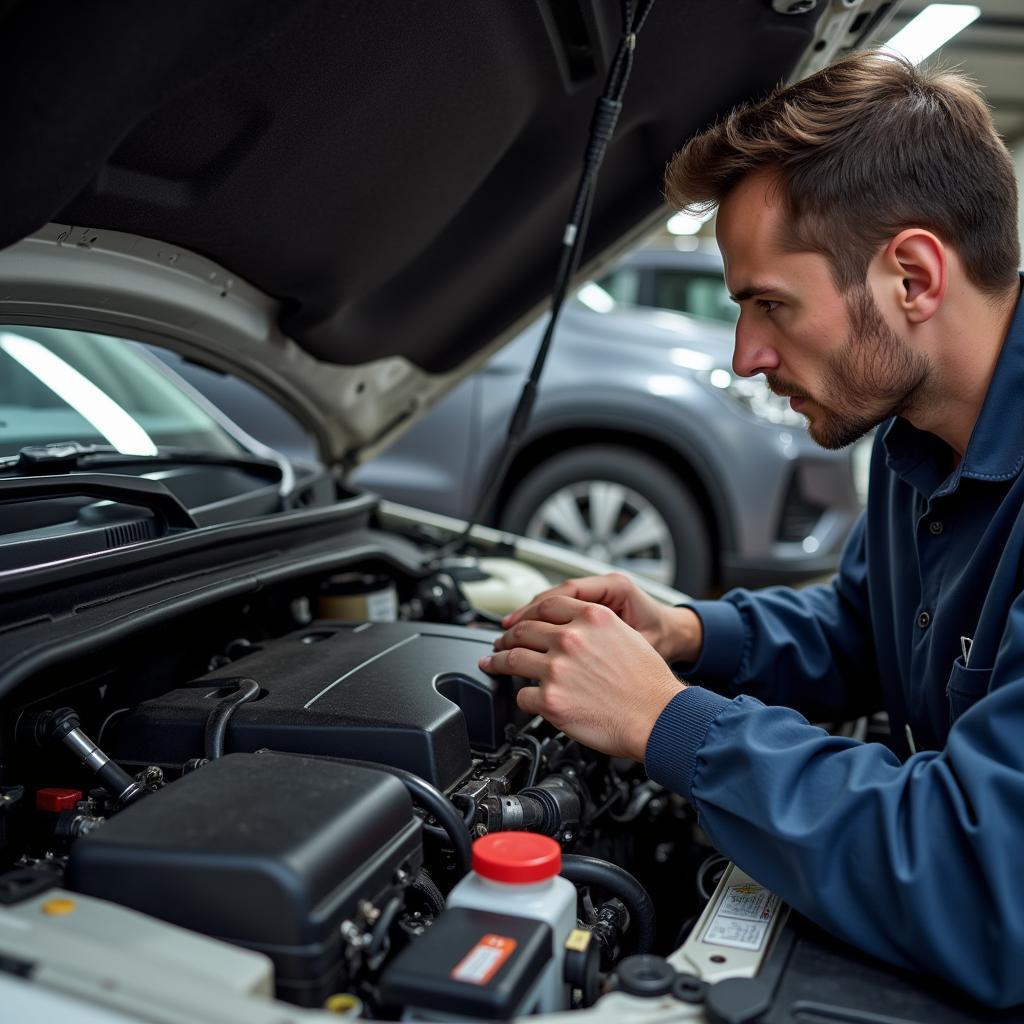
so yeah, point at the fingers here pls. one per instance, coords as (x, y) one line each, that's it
(530, 700)
(568, 589)
(610, 590)
(555, 608)
(517, 662)
(531, 633)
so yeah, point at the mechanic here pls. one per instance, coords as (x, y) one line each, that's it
(868, 220)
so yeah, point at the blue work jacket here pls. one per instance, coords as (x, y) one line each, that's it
(916, 857)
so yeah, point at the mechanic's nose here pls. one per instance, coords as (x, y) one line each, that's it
(752, 353)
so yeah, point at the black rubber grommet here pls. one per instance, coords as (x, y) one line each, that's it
(688, 988)
(645, 975)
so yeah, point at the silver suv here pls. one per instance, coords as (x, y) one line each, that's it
(644, 449)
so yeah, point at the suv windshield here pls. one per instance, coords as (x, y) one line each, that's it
(62, 385)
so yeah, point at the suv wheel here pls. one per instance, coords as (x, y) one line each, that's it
(620, 506)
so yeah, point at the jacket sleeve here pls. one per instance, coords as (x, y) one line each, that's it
(917, 863)
(809, 649)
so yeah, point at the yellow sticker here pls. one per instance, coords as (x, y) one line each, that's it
(59, 907)
(578, 940)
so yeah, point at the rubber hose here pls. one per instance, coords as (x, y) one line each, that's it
(218, 719)
(380, 930)
(582, 870)
(431, 799)
(535, 749)
(469, 815)
(424, 885)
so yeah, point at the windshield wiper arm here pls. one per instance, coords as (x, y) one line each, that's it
(68, 456)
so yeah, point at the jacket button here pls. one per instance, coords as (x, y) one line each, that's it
(923, 620)
(935, 526)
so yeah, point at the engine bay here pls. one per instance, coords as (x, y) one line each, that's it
(303, 775)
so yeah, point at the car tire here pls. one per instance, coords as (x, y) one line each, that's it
(614, 490)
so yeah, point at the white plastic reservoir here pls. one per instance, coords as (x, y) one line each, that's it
(517, 873)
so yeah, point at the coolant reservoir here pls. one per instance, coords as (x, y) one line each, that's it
(502, 585)
(517, 873)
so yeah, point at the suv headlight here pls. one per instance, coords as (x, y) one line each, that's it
(752, 394)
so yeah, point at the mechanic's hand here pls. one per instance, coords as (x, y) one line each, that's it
(600, 681)
(675, 633)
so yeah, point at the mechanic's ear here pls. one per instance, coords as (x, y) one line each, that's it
(918, 260)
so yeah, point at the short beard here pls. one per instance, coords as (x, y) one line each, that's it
(874, 375)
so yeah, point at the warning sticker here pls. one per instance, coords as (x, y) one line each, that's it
(743, 917)
(481, 963)
(749, 902)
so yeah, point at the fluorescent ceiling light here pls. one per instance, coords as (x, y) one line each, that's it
(99, 409)
(687, 223)
(933, 27)
(594, 296)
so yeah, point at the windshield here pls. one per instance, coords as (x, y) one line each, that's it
(61, 385)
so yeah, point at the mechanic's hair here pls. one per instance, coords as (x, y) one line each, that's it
(861, 150)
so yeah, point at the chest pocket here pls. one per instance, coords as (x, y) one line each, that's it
(965, 688)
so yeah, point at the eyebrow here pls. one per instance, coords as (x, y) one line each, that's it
(751, 291)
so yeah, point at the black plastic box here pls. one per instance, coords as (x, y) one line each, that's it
(267, 851)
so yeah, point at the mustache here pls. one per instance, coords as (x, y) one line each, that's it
(784, 388)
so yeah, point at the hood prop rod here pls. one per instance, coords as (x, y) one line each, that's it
(602, 127)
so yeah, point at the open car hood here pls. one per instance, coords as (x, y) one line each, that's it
(349, 204)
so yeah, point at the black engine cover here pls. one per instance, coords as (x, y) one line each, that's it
(405, 694)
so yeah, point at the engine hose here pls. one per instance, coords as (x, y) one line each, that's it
(469, 815)
(431, 799)
(582, 870)
(379, 935)
(217, 721)
(424, 885)
(535, 759)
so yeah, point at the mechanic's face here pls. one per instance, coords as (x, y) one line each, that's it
(834, 355)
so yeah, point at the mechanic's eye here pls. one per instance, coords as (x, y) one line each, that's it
(768, 305)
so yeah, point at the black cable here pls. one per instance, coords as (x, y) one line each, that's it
(602, 127)
(469, 814)
(581, 870)
(380, 930)
(536, 756)
(218, 719)
(621, 789)
(431, 799)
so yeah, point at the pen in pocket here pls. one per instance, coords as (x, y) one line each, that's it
(965, 646)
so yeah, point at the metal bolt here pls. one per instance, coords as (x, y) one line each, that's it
(369, 912)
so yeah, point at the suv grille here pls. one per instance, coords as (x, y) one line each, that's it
(799, 514)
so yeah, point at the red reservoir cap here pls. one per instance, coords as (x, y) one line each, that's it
(53, 798)
(517, 857)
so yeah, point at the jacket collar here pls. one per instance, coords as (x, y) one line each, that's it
(995, 450)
